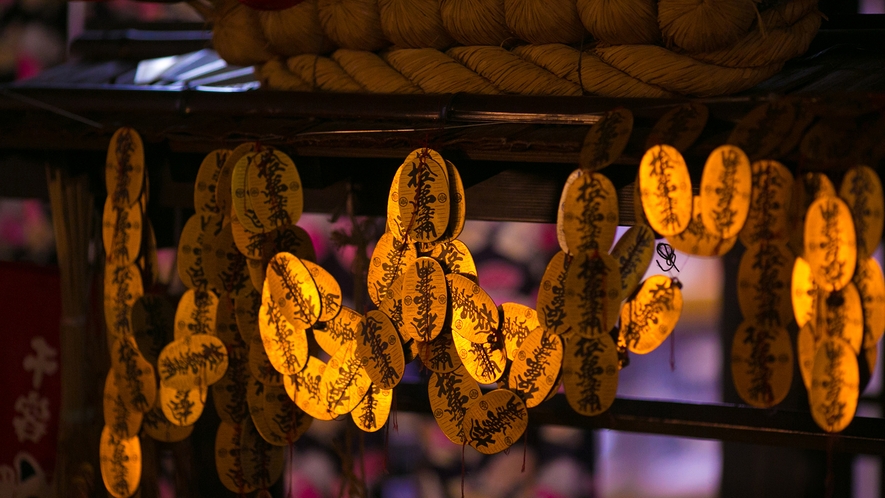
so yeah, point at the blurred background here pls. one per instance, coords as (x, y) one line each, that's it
(413, 457)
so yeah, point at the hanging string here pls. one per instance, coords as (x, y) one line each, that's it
(830, 481)
(364, 487)
(580, 72)
(342, 449)
(673, 351)
(291, 472)
(313, 83)
(463, 467)
(358, 237)
(348, 452)
(525, 448)
(676, 283)
(666, 252)
(394, 412)
(386, 442)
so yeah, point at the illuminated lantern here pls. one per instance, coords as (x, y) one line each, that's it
(372, 412)
(725, 191)
(834, 385)
(482, 361)
(424, 201)
(379, 347)
(697, 240)
(536, 366)
(590, 213)
(451, 394)
(665, 190)
(292, 288)
(590, 373)
(496, 421)
(344, 382)
(648, 318)
(425, 299)
(762, 363)
(120, 463)
(182, 406)
(830, 242)
(284, 343)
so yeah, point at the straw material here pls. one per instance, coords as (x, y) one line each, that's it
(680, 73)
(274, 74)
(790, 12)
(322, 73)
(436, 72)
(475, 22)
(353, 24)
(372, 73)
(510, 73)
(776, 45)
(704, 25)
(295, 30)
(627, 60)
(414, 24)
(621, 22)
(237, 35)
(597, 77)
(544, 21)
(74, 222)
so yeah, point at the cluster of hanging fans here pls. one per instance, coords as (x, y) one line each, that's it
(130, 391)
(628, 48)
(259, 314)
(809, 256)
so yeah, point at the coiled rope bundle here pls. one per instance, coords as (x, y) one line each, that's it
(614, 48)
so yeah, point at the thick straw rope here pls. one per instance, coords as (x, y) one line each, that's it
(682, 74)
(475, 22)
(597, 77)
(436, 72)
(323, 73)
(511, 74)
(236, 34)
(274, 74)
(544, 21)
(621, 22)
(716, 47)
(354, 24)
(700, 26)
(414, 24)
(295, 30)
(780, 43)
(372, 73)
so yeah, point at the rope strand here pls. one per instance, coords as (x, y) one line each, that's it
(638, 69)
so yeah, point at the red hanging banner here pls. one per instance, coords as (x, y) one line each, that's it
(30, 397)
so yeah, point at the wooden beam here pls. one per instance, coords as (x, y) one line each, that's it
(738, 423)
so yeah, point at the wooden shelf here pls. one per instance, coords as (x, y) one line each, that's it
(772, 427)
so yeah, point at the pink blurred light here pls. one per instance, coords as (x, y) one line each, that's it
(499, 274)
(12, 232)
(301, 487)
(547, 239)
(27, 66)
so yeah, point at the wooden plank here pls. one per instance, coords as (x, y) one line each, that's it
(706, 421)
